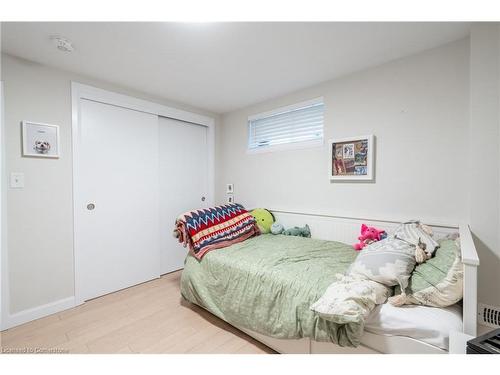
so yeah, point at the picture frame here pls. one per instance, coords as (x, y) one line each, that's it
(40, 140)
(352, 158)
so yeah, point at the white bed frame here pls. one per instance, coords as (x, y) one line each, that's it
(345, 229)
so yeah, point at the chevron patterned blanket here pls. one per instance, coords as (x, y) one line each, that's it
(212, 228)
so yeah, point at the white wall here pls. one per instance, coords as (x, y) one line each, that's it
(40, 217)
(484, 156)
(417, 108)
(436, 116)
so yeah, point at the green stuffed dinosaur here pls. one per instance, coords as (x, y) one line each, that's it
(264, 219)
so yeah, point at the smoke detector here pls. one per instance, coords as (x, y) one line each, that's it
(62, 44)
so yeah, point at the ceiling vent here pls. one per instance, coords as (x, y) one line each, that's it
(62, 44)
(489, 315)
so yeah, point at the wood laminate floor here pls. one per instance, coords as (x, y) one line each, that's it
(147, 318)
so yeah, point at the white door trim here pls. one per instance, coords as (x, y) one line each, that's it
(4, 272)
(80, 91)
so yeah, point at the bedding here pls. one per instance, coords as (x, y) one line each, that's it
(212, 228)
(413, 232)
(439, 281)
(268, 283)
(389, 262)
(380, 266)
(350, 299)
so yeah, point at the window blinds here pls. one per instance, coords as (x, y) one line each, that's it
(301, 124)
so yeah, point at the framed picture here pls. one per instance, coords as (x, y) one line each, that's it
(40, 140)
(351, 159)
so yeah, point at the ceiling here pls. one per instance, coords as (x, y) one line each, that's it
(223, 66)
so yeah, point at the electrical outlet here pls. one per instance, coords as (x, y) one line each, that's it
(229, 189)
(230, 198)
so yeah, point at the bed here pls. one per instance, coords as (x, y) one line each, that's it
(267, 294)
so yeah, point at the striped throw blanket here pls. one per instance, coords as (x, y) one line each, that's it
(212, 228)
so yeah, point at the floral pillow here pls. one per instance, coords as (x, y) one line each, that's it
(439, 281)
(415, 232)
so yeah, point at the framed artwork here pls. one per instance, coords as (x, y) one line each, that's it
(351, 159)
(40, 140)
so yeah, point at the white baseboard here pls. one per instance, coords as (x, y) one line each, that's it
(38, 312)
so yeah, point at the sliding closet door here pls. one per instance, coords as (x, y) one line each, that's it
(183, 182)
(117, 226)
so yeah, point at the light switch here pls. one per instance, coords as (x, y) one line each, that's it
(17, 180)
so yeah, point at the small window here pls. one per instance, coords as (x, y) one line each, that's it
(296, 125)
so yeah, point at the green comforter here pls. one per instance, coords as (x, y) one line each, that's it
(267, 284)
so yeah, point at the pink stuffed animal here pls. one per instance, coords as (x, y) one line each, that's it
(368, 235)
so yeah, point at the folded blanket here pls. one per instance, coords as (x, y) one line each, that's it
(350, 299)
(212, 228)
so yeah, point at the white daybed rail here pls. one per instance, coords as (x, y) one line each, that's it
(345, 229)
(470, 261)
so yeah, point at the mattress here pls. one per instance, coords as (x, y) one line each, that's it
(431, 325)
